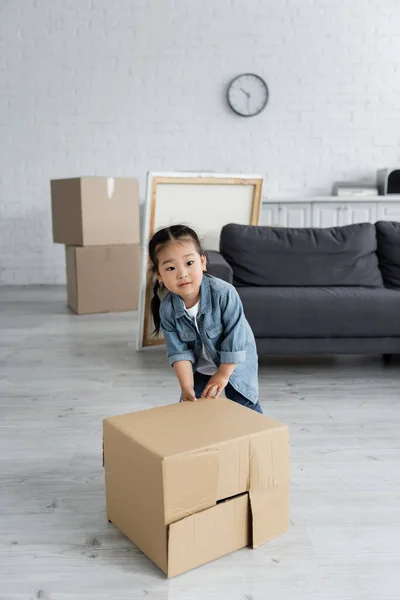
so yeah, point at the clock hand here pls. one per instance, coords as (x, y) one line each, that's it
(244, 92)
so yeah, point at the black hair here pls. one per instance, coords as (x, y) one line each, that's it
(158, 241)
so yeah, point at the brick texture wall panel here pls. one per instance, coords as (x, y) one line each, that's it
(90, 87)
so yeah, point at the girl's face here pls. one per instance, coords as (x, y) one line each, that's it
(180, 269)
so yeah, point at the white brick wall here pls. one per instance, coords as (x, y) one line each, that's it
(123, 87)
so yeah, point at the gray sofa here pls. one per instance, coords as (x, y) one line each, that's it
(316, 291)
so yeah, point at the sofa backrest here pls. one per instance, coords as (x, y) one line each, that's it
(280, 256)
(388, 233)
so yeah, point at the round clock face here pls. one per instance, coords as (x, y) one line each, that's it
(247, 95)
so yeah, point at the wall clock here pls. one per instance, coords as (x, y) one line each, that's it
(247, 95)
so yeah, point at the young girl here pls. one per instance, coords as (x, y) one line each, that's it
(209, 341)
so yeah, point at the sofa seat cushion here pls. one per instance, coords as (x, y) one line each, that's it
(389, 252)
(322, 311)
(277, 256)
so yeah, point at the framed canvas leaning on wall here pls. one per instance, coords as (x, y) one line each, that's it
(204, 201)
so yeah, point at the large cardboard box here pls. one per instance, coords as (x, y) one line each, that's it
(193, 481)
(95, 211)
(103, 278)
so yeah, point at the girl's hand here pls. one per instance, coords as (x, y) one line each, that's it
(215, 386)
(188, 395)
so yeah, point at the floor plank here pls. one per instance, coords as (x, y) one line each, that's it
(61, 374)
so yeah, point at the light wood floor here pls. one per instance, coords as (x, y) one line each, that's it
(61, 374)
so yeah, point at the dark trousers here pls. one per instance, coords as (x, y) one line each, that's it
(201, 380)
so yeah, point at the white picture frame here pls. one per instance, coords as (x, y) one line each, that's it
(190, 199)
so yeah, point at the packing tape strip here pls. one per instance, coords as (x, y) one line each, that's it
(110, 187)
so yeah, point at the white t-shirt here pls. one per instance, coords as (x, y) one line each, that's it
(205, 364)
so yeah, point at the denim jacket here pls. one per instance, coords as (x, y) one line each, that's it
(223, 329)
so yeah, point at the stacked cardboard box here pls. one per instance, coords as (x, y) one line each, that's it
(192, 481)
(97, 218)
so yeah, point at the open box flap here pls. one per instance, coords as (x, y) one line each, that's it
(269, 458)
(269, 513)
(269, 484)
(190, 483)
(208, 535)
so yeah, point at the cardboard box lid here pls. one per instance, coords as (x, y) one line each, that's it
(217, 421)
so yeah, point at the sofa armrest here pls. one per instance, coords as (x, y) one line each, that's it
(217, 266)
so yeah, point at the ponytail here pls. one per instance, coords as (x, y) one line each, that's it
(155, 308)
